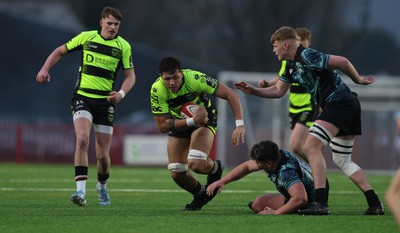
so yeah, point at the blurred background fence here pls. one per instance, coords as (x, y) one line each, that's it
(378, 148)
(35, 122)
(141, 144)
(55, 143)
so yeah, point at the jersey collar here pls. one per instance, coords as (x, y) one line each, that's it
(99, 32)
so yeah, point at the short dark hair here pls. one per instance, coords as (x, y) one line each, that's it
(265, 151)
(111, 11)
(169, 64)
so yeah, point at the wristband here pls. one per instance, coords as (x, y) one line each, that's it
(122, 93)
(190, 122)
(172, 125)
(239, 123)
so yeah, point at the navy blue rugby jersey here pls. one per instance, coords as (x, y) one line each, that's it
(309, 69)
(292, 170)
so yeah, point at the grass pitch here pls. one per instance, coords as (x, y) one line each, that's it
(35, 198)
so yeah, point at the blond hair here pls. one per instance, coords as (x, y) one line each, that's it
(284, 33)
(303, 33)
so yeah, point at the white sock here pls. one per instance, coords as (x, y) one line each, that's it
(81, 186)
(102, 186)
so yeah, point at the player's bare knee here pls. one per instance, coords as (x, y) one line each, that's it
(82, 141)
(256, 206)
(195, 166)
(178, 177)
(297, 149)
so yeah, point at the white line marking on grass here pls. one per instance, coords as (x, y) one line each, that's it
(49, 180)
(152, 190)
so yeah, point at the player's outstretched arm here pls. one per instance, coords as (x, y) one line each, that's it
(237, 173)
(276, 91)
(233, 98)
(344, 65)
(43, 75)
(265, 83)
(245, 87)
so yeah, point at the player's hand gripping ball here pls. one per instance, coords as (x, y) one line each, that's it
(188, 109)
(199, 114)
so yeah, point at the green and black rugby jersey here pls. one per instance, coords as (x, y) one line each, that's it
(195, 88)
(101, 59)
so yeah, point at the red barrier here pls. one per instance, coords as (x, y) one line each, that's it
(24, 143)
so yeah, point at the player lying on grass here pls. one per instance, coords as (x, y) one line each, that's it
(291, 176)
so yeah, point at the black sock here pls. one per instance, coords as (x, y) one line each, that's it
(327, 190)
(321, 196)
(103, 178)
(215, 168)
(81, 173)
(372, 198)
(198, 189)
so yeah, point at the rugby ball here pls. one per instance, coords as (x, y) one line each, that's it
(188, 109)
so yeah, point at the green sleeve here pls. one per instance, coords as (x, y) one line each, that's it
(283, 67)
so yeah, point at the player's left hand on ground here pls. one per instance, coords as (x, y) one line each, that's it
(267, 210)
(114, 97)
(238, 135)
